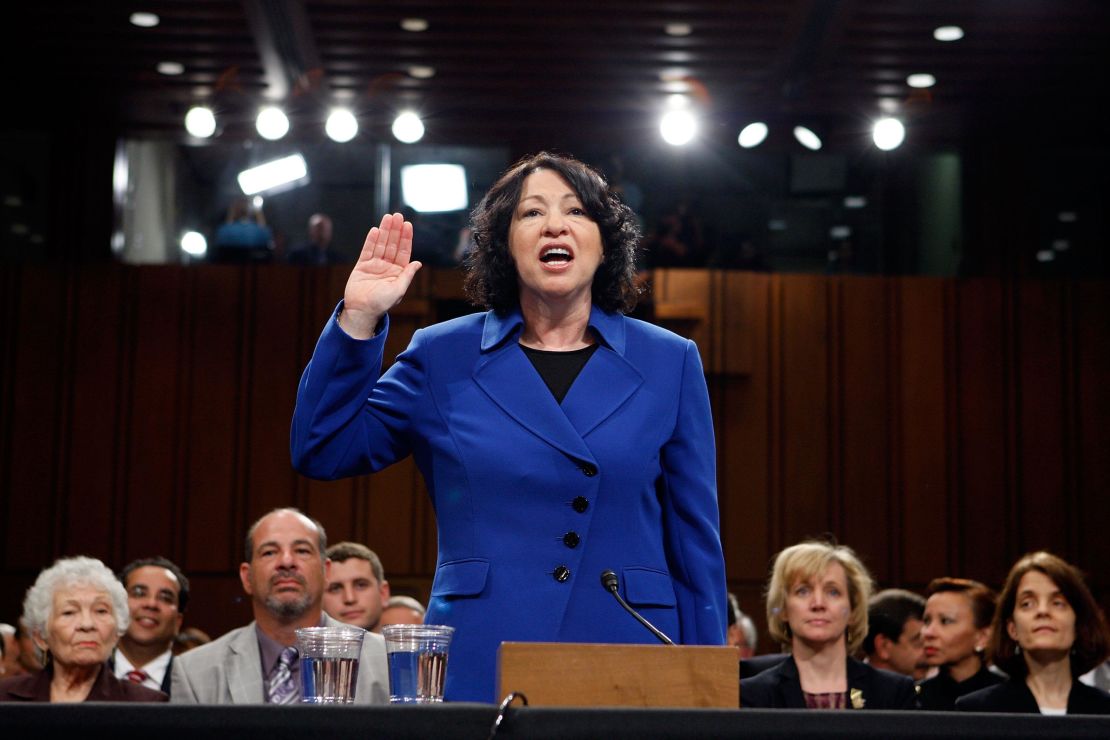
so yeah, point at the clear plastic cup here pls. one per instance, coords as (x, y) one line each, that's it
(329, 663)
(417, 661)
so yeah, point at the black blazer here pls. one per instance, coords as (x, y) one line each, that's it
(781, 688)
(756, 664)
(1015, 697)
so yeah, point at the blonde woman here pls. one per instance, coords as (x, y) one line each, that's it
(817, 605)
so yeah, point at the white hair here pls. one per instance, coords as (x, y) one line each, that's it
(747, 626)
(405, 601)
(38, 605)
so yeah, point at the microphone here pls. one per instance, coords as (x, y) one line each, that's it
(611, 584)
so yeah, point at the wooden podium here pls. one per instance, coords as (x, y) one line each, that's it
(587, 675)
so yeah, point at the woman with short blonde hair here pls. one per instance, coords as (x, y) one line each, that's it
(817, 606)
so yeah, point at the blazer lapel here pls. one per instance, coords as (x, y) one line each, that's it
(243, 667)
(790, 685)
(509, 379)
(605, 383)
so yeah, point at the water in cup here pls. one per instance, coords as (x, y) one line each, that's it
(329, 663)
(329, 680)
(417, 676)
(417, 655)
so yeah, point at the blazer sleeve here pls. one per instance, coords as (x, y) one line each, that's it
(347, 420)
(692, 535)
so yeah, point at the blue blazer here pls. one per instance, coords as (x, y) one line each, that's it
(535, 499)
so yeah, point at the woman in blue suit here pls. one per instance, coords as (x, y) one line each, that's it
(558, 438)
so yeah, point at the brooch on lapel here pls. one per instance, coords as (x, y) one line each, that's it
(856, 696)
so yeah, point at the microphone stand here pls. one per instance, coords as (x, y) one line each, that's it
(611, 584)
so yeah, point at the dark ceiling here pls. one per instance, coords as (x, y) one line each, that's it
(511, 71)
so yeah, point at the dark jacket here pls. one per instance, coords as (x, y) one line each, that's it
(756, 664)
(940, 692)
(1015, 697)
(781, 688)
(36, 687)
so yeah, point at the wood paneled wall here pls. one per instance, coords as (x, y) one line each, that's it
(938, 426)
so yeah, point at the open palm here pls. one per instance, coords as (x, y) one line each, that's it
(381, 276)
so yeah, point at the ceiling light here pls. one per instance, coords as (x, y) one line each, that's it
(171, 68)
(422, 72)
(840, 232)
(408, 128)
(948, 33)
(416, 25)
(272, 123)
(1061, 245)
(1067, 217)
(193, 243)
(144, 20)
(678, 127)
(888, 133)
(677, 101)
(1045, 255)
(200, 122)
(273, 174)
(341, 125)
(753, 135)
(678, 29)
(807, 138)
(855, 201)
(921, 80)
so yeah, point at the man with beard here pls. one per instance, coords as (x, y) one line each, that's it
(284, 575)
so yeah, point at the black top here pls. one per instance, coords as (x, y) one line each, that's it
(868, 688)
(559, 369)
(941, 691)
(756, 664)
(1014, 697)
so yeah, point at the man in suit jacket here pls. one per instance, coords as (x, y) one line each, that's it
(284, 575)
(157, 594)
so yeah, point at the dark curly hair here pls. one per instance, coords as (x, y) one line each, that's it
(491, 279)
(1092, 641)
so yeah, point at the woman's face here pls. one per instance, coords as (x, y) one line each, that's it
(818, 609)
(82, 629)
(555, 244)
(1043, 620)
(950, 633)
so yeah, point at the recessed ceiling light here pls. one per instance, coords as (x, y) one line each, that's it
(752, 135)
(807, 138)
(200, 121)
(948, 33)
(171, 68)
(422, 72)
(888, 134)
(678, 29)
(855, 201)
(1067, 217)
(416, 25)
(1045, 255)
(144, 20)
(921, 79)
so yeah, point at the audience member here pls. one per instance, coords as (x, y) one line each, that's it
(284, 574)
(817, 603)
(76, 611)
(1046, 632)
(957, 628)
(189, 638)
(9, 652)
(401, 610)
(30, 657)
(244, 237)
(357, 590)
(894, 640)
(316, 250)
(157, 594)
(741, 630)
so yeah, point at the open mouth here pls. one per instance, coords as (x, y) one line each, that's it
(555, 255)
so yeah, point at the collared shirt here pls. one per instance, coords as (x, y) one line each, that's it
(155, 670)
(270, 651)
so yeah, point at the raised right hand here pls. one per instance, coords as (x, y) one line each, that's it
(381, 276)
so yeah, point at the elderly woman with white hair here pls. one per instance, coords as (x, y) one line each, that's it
(76, 612)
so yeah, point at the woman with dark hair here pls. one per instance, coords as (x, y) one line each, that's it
(817, 605)
(1047, 631)
(558, 438)
(957, 627)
